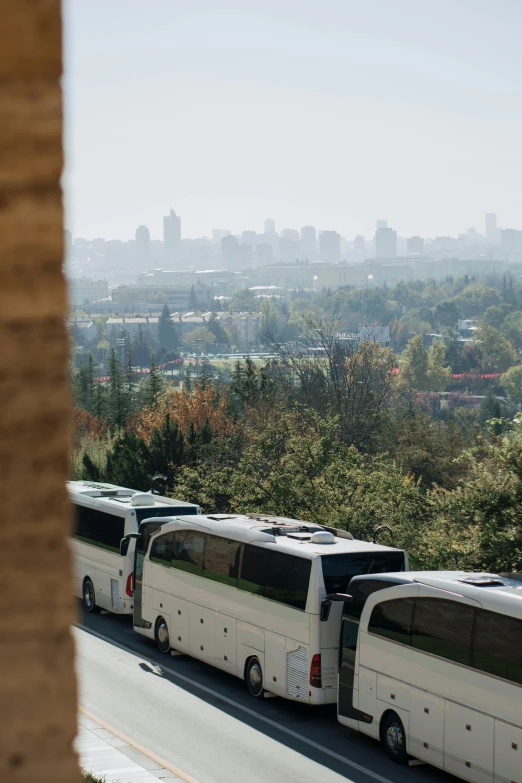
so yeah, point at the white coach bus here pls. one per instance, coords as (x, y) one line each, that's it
(105, 517)
(247, 595)
(431, 664)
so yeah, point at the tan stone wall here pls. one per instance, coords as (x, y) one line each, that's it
(37, 683)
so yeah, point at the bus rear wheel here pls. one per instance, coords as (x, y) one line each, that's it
(89, 597)
(254, 678)
(162, 636)
(393, 738)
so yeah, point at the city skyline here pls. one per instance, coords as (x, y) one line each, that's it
(325, 116)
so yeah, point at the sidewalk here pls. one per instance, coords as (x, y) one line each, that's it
(111, 758)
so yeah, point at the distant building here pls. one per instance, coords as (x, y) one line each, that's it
(230, 253)
(308, 245)
(131, 326)
(290, 233)
(270, 226)
(381, 224)
(414, 246)
(288, 249)
(511, 240)
(330, 246)
(491, 230)
(171, 237)
(82, 290)
(385, 242)
(142, 238)
(249, 238)
(264, 254)
(359, 248)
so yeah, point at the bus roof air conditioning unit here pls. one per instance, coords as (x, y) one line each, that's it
(322, 537)
(142, 499)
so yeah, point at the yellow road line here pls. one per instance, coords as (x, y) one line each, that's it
(159, 761)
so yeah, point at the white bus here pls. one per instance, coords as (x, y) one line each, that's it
(431, 664)
(247, 595)
(104, 517)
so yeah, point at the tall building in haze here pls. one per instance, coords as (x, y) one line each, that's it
(492, 232)
(171, 237)
(269, 226)
(359, 248)
(330, 246)
(308, 245)
(385, 243)
(142, 248)
(414, 246)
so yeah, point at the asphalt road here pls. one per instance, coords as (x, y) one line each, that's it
(204, 721)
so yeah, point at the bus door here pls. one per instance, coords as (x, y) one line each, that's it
(146, 530)
(360, 589)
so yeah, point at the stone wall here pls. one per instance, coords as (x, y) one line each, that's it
(37, 683)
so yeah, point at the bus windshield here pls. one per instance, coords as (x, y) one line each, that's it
(338, 570)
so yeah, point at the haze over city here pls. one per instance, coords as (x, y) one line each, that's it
(331, 116)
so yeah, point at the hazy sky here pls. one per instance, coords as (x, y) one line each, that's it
(325, 112)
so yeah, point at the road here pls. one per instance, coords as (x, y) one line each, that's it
(204, 722)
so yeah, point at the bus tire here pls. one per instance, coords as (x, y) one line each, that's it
(161, 634)
(254, 678)
(89, 597)
(393, 738)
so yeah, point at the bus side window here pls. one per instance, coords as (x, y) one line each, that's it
(349, 634)
(393, 620)
(187, 551)
(161, 550)
(253, 569)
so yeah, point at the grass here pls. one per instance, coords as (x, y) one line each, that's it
(88, 777)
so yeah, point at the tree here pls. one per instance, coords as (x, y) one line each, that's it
(446, 313)
(84, 385)
(118, 402)
(193, 300)
(438, 371)
(141, 347)
(219, 332)
(414, 364)
(168, 336)
(496, 314)
(244, 299)
(512, 383)
(268, 328)
(493, 352)
(201, 333)
(166, 449)
(153, 384)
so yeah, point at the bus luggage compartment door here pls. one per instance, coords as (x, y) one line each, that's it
(225, 642)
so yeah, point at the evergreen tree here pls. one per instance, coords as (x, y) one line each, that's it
(118, 398)
(128, 463)
(141, 348)
(153, 384)
(168, 337)
(193, 300)
(166, 449)
(100, 402)
(84, 385)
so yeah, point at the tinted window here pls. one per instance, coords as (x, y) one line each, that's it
(338, 570)
(393, 620)
(99, 528)
(287, 579)
(360, 592)
(188, 547)
(497, 647)
(443, 628)
(253, 569)
(349, 633)
(222, 560)
(161, 551)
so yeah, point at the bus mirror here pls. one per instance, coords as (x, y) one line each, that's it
(327, 602)
(124, 546)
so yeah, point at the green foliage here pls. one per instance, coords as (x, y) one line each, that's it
(493, 352)
(168, 335)
(512, 383)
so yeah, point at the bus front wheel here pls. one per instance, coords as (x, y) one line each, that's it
(254, 678)
(89, 597)
(162, 636)
(393, 737)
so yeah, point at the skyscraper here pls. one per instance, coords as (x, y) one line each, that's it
(385, 243)
(492, 233)
(142, 238)
(308, 246)
(330, 246)
(171, 237)
(381, 224)
(414, 246)
(269, 225)
(359, 248)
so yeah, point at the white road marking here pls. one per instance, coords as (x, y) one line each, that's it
(247, 710)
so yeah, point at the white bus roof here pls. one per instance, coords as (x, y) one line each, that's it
(494, 592)
(289, 535)
(111, 496)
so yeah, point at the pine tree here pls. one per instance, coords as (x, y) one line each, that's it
(166, 449)
(84, 385)
(167, 332)
(118, 399)
(154, 384)
(193, 300)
